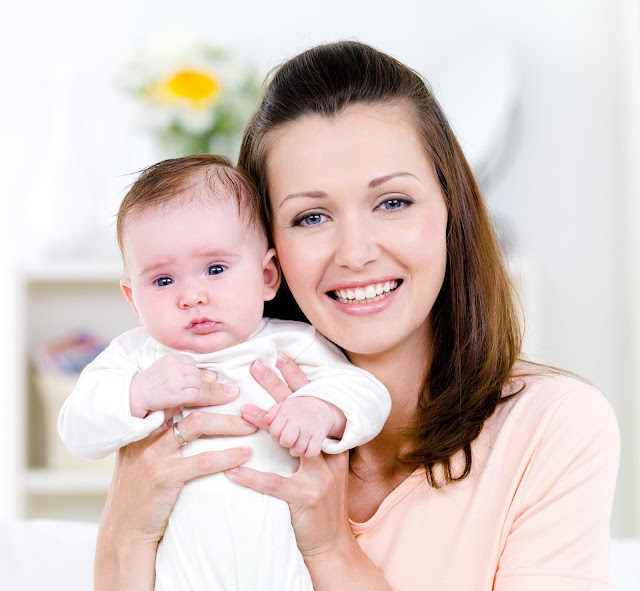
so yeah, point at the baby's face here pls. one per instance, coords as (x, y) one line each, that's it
(198, 275)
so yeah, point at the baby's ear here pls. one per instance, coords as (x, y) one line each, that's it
(271, 274)
(125, 286)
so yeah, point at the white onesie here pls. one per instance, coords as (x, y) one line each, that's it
(222, 536)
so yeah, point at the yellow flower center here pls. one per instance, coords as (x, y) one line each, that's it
(193, 85)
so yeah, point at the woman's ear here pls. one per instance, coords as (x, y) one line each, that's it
(271, 274)
(125, 286)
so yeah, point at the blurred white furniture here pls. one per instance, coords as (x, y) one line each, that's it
(58, 556)
(53, 300)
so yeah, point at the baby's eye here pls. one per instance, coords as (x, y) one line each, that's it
(394, 203)
(215, 269)
(163, 281)
(310, 219)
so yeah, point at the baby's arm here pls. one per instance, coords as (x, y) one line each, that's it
(96, 418)
(303, 423)
(362, 398)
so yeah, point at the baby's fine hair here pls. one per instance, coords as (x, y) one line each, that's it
(177, 181)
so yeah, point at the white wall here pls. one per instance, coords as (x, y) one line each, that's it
(565, 190)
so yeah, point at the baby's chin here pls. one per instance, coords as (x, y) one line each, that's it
(203, 344)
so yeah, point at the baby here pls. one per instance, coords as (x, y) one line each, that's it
(198, 270)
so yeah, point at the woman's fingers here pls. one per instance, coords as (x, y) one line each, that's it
(268, 379)
(211, 462)
(199, 423)
(255, 416)
(290, 371)
(213, 393)
(268, 483)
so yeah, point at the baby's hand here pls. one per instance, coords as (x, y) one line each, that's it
(301, 424)
(170, 383)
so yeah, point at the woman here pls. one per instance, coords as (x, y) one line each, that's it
(489, 474)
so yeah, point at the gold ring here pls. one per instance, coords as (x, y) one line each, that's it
(179, 438)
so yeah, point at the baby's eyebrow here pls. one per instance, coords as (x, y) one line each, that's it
(154, 267)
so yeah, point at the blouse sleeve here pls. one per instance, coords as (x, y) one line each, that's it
(559, 539)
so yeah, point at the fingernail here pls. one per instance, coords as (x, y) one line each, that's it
(282, 358)
(245, 451)
(261, 368)
(232, 471)
(210, 375)
(250, 410)
(230, 388)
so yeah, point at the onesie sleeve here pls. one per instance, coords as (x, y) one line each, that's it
(357, 393)
(96, 420)
(559, 539)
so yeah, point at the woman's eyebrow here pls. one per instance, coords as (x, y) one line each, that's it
(372, 184)
(312, 194)
(387, 177)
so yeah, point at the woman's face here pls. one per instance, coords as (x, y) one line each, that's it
(359, 225)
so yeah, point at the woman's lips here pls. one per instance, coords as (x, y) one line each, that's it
(364, 306)
(365, 294)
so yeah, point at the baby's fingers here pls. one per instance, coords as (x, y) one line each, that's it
(300, 447)
(315, 446)
(291, 435)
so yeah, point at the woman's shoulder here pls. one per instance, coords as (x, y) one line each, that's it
(546, 399)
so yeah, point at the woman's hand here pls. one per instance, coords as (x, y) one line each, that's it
(148, 477)
(317, 498)
(317, 493)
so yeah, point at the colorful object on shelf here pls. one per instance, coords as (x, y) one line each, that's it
(69, 354)
(192, 94)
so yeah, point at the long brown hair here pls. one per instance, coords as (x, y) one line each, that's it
(477, 335)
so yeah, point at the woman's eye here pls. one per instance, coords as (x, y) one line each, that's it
(311, 219)
(215, 269)
(163, 281)
(395, 203)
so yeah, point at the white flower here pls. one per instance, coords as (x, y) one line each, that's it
(191, 88)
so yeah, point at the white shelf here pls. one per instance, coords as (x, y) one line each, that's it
(45, 481)
(73, 271)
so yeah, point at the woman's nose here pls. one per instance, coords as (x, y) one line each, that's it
(356, 246)
(193, 297)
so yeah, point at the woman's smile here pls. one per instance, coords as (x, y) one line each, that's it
(365, 293)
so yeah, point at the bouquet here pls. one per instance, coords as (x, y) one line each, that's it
(193, 95)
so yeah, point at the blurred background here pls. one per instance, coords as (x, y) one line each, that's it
(545, 97)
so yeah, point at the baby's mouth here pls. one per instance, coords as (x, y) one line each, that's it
(202, 325)
(366, 293)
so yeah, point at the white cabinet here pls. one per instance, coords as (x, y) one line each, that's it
(54, 300)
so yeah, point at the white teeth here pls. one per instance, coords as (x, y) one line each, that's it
(369, 293)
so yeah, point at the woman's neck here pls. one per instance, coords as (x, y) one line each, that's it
(402, 370)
